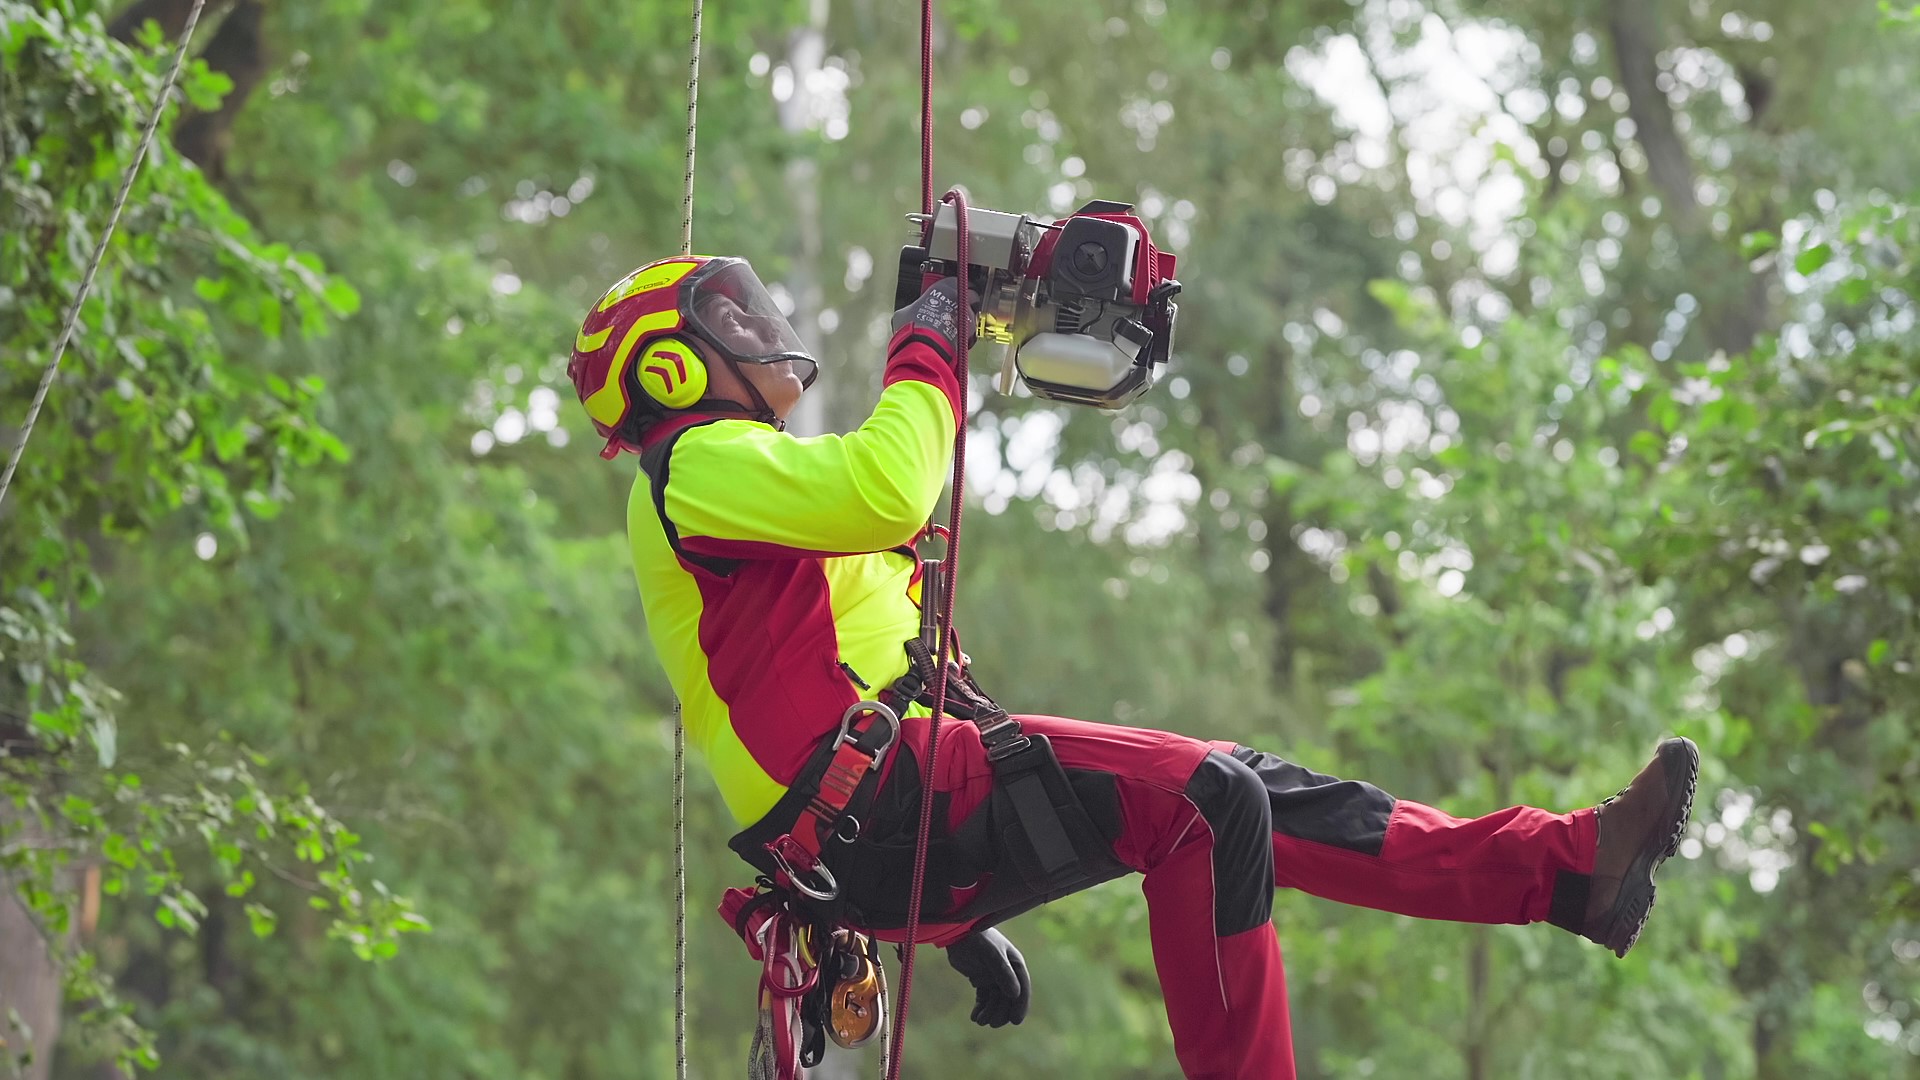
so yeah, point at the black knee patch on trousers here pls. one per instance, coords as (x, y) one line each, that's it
(1234, 801)
(1307, 805)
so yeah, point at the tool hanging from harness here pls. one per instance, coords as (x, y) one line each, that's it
(816, 982)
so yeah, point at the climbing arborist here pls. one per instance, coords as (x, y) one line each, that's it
(784, 597)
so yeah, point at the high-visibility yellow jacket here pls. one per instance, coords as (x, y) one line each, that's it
(773, 569)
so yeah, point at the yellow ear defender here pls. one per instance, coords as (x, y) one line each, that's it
(672, 374)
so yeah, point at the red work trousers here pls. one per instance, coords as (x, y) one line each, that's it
(1214, 827)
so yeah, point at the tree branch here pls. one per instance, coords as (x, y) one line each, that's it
(1634, 28)
(170, 14)
(238, 52)
(1735, 318)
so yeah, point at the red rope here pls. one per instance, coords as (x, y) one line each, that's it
(951, 562)
(951, 569)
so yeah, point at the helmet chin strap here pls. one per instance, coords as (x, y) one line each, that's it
(765, 414)
(758, 410)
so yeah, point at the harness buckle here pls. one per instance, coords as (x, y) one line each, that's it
(1008, 749)
(859, 709)
(787, 851)
(1002, 738)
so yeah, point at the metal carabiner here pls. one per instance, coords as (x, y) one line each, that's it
(827, 890)
(861, 708)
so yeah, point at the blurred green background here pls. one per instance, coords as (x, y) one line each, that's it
(1546, 383)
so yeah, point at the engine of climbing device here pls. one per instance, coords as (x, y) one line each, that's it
(1082, 308)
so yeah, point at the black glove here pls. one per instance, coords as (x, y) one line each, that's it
(1001, 991)
(938, 311)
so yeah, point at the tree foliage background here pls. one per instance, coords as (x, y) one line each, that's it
(1546, 383)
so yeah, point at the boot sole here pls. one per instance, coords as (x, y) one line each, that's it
(1635, 902)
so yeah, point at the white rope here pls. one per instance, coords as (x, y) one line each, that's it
(693, 109)
(679, 722)
(679, 893)
(100, 249)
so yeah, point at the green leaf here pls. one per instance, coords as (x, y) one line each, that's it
(206, 88)
(262, 505)
(1758, 243)
(261, 919)
(119, 850)
(1877, 652)
(62, 723)
(1284, 474)
(1854, 291)
(1647, 446)
(229, 442)
(270, 312)
(340, 296)
(1812, 259)
(79, 810)
(1664, 412)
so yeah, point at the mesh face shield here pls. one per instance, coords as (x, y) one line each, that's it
(729, 309)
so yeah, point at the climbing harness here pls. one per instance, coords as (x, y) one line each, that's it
(100, 248)
(820, 848)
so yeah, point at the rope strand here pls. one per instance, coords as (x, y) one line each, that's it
(679, 720)
(100, 249)
(951, 569)
(679, 893)
(926, 107)
(951, 563)
(693, 110)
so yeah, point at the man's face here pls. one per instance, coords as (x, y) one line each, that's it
(734, 327)
(748, 335)
(778, 383)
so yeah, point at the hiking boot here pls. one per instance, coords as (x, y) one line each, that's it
(1640, 828)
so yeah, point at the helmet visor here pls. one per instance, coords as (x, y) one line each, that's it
(732, 311)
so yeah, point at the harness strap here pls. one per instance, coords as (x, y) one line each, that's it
(999, 731)
(1019, 762)
(868, 731)
(1021, 776)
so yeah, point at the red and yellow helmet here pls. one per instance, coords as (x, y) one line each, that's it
(634, 361)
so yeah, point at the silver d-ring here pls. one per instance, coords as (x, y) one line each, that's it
(878, 708)
(847, 829)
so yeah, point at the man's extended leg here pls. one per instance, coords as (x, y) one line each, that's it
(1215, 826)
(1589, 871)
